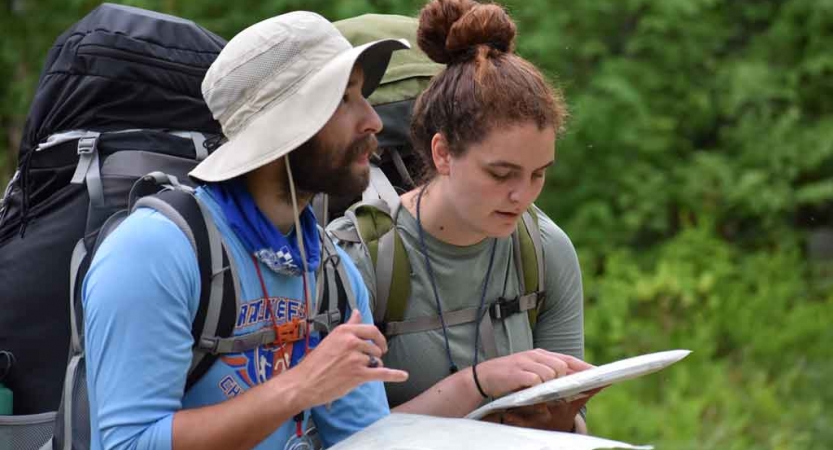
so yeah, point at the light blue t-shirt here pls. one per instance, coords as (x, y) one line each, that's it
(140, 297)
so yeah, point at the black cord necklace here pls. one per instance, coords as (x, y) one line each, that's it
(452, 366)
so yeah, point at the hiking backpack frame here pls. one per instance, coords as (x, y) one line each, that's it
(119, 96)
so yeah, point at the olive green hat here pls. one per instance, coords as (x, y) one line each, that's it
(404, 65)
(408, 74)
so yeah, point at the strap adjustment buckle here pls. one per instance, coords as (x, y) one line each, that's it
(86, 145)
(504, 308)
(289, 332)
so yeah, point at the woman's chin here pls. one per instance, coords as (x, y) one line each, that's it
(501, 229)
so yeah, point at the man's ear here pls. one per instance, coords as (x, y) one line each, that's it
(441, 154)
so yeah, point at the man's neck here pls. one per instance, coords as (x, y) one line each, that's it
(268, 187)
(439, 218)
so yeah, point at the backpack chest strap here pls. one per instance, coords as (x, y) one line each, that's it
(287, 333)
(236, 344)
(504, 308)
(498, 310)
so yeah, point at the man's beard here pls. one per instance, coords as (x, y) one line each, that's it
(318, 167)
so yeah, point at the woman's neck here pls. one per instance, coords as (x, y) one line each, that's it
(438, 217)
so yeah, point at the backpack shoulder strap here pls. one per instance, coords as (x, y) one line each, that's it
(380, 187)
(216, 312)
(333, 291)
(320, 207)
(528, 250)
(375, 224)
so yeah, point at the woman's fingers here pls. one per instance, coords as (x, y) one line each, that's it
(548, 359)
(528, 379)
(573, 364)
(543, 371)
(564, 364)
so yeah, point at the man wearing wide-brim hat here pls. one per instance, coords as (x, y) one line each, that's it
(290, 93)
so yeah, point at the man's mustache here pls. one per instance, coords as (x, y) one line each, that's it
(362, 146)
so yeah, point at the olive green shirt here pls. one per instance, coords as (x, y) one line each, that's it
(459, 273)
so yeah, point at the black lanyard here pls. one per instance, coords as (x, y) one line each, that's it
(480, 311)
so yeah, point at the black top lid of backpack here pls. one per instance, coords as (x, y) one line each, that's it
(122, 67)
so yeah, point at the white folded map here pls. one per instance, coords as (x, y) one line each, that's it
(417, 432)
(575, 386)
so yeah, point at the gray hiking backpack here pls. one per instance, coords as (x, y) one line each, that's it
(119, 97)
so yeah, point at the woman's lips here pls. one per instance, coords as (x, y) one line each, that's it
(508, 215)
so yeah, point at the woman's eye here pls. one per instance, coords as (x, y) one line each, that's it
(501, 176)
(538, 175)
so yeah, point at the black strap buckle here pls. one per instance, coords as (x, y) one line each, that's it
(504, 308)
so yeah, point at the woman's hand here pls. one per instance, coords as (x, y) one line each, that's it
(501, 376)
(553, 416)
(511, 373)
(457, 395)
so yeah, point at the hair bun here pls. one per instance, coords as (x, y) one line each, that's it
(448, 29)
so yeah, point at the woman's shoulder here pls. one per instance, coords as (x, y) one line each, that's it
(553, 238)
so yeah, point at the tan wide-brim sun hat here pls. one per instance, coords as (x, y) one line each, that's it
(277, 83)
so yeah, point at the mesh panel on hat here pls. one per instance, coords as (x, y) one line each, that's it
(244, 81)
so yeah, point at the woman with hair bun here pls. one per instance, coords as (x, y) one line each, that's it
(486, 129)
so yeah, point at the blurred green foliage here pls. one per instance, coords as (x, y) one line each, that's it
(696, 180)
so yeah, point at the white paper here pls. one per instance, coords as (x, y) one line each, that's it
(572, 386)
(417, 432)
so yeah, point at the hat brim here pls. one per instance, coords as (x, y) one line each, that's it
(286, 125)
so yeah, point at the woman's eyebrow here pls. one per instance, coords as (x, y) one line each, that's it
(509, 165)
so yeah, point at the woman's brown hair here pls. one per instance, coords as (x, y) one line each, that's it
(485, 85)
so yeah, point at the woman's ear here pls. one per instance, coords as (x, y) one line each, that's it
(441, 154)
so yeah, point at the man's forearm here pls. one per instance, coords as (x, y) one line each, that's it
(241, 422)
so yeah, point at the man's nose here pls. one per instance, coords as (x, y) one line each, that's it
(371, 123)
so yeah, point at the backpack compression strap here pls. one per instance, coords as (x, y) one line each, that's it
(88, 170)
